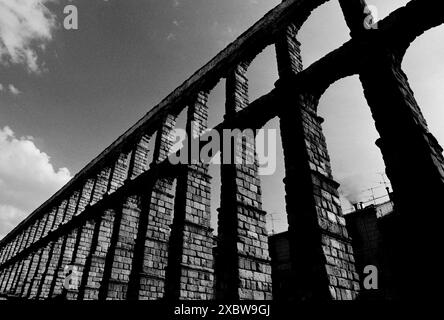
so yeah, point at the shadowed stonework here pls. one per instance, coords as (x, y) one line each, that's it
(128, 227)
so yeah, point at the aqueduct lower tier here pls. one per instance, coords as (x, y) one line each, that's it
(139, 230)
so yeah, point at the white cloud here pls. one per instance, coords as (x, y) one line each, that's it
(171, 37)
(27, 178)
(224, 34)
(10, 216)
(24, 26)
(14, 90)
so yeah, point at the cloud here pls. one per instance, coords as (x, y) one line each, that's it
(171, 37)
(176, 3)
(353, 186)
(14, 90)
(27, 178)
(9, 217)
(224, 34)
(24, 26)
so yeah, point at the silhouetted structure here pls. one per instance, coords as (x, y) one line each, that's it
(371, 229)
(139, 230)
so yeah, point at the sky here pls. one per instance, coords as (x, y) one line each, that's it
(65, 95)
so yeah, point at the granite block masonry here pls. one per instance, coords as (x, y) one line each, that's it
(135, 226)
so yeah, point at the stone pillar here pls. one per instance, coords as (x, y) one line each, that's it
(11, 277)
(5, 253)
(85, 198)
(22, 240)
(2, 277)
(120, 171)
(67, 257)
(22, 277)
(32, 272)
(14, 245)
(101, 186)
(41, 228)
(82, 250)
(21, 291)
(151, 249)
(415, 167)
(243, 269)
(164, 139)
(8, 251)
(34, 227)
(51, 269)
(96, 264)
(25, 239)
(320, 250)
(190, 273)
(72, 206)
(50, 220)
(60, 213)
(88, 259)
(44, 266)
(2, 254)
(321, 255)
(19, 270)
(11, 249)
(288, 52)
(139, 157)
(121, 251)
(40, 270)
(18, 243)
(8, 278)
(17, 277)
(119, 254)
(92, 190)
(154, 252)
(7, 274)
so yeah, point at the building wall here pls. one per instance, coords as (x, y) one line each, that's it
(372, 230)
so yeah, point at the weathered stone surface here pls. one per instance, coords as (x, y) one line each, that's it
(67, 258)
(122, 256)
(112, 221)
(190, 271)
(241, 219)
(97, 258)
(82, 249)
(317, 231)
(51, 269)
